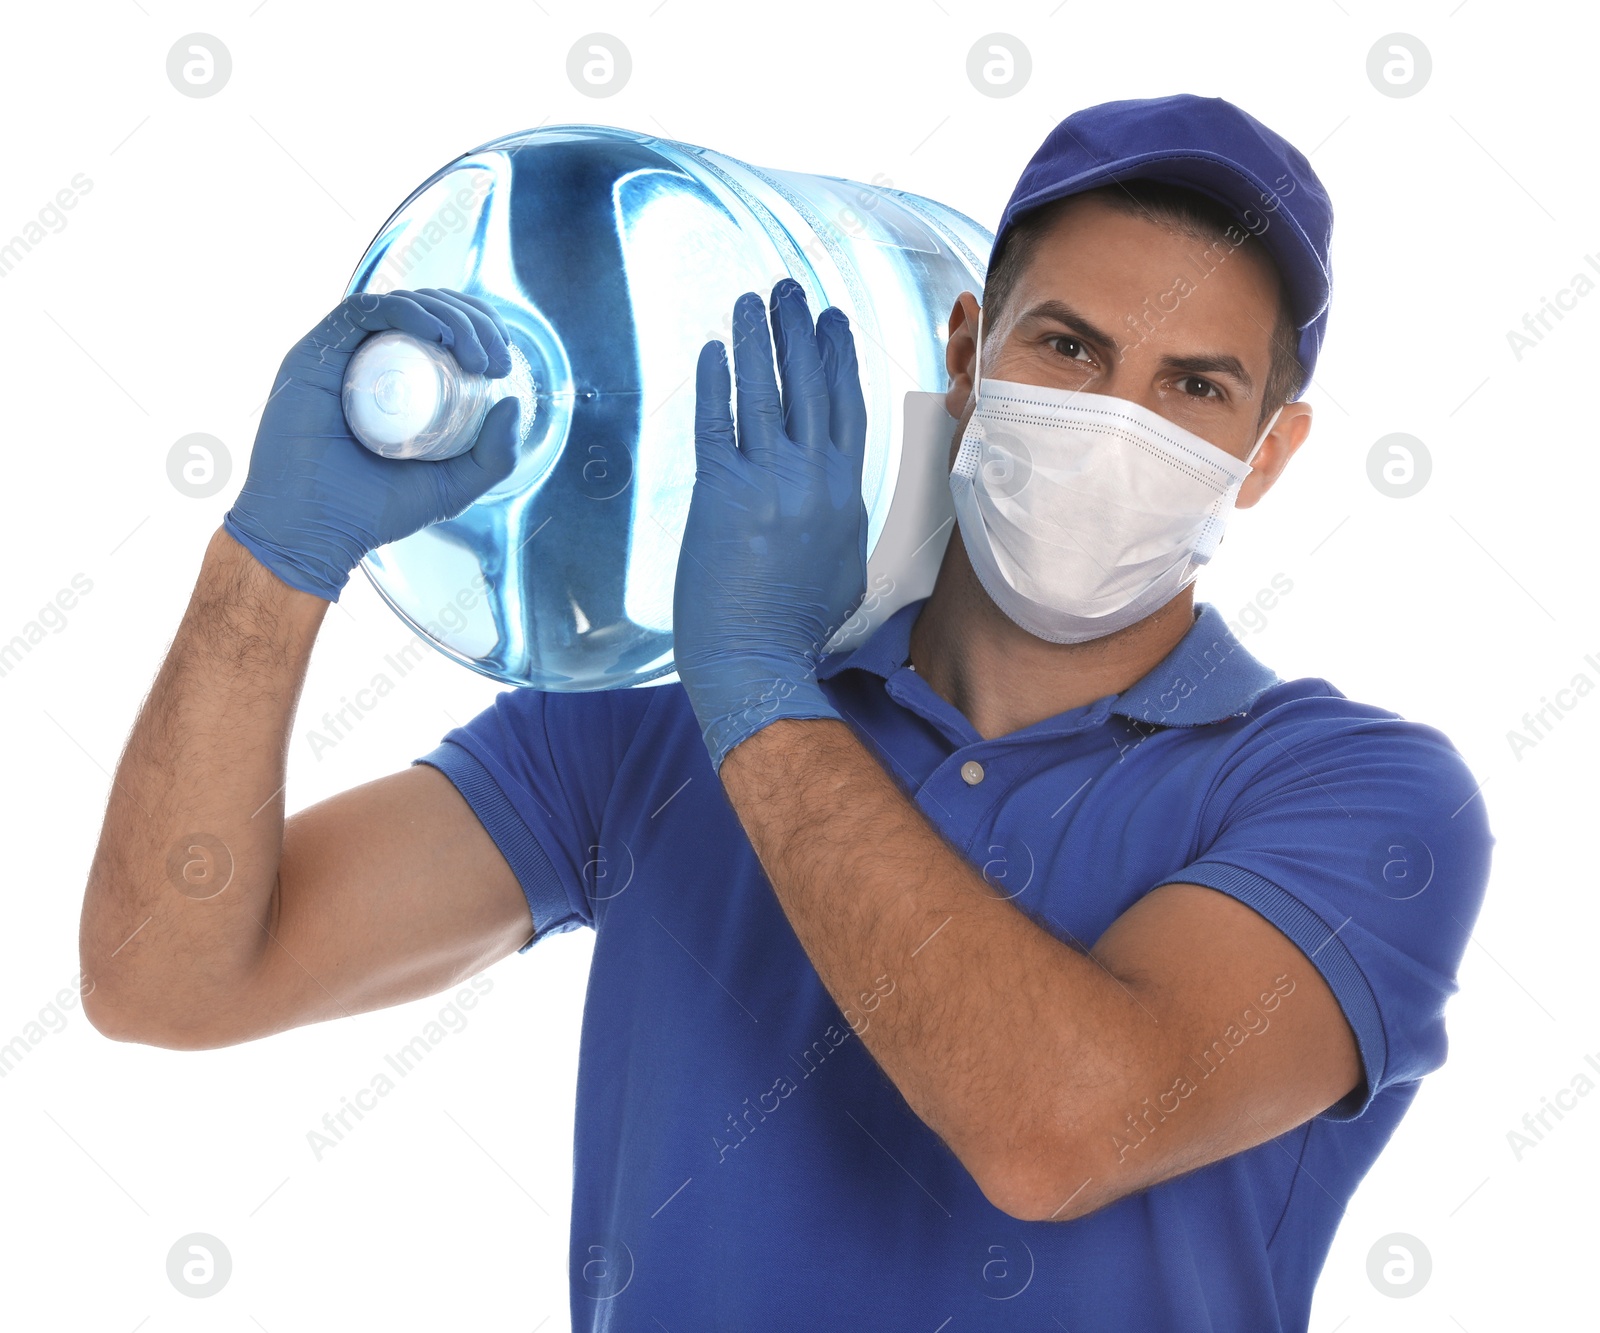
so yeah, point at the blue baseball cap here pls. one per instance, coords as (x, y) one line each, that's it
(1209, 145)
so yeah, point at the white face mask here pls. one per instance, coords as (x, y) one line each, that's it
(1082, 513)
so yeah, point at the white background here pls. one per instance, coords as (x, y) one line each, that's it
(219, 229)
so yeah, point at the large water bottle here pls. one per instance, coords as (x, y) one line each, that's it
(612, 257)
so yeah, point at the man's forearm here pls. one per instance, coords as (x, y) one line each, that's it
(179, 894)
(935, 969)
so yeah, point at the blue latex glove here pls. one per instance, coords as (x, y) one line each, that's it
(316, 500)
(774, 554)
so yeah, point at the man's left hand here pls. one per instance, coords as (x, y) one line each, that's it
(774, 553)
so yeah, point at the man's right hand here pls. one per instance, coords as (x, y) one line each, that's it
(315, 499)
(378, 895)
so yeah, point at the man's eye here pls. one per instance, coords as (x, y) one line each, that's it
(1206, 390)
(1074, 346)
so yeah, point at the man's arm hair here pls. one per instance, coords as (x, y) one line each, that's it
(207, 918)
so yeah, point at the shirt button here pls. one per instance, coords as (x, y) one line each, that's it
(972, 772)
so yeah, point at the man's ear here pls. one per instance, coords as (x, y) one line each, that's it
(959, 350)
(1288, 434)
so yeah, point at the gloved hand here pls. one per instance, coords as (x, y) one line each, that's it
(774, 554)
(316, 500)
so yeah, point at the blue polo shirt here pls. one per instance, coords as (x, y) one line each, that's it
(741, 1161)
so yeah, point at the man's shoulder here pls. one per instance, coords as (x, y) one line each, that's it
(587, 729)
(1314, 701)
(1309, 727)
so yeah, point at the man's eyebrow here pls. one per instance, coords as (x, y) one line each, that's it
(1062, 313)
(1214, 363)
(1205, 363)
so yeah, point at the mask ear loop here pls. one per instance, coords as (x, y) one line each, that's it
(1250, 457)
(977, 359)
(1211, 535)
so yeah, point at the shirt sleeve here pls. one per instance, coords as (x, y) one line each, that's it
(1363, 837)
(537, 768)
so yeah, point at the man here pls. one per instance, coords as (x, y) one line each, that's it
(1045, 961)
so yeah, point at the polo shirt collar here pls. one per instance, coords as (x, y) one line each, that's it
(1207, 677)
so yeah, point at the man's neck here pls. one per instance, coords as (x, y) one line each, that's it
(1001, 678)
